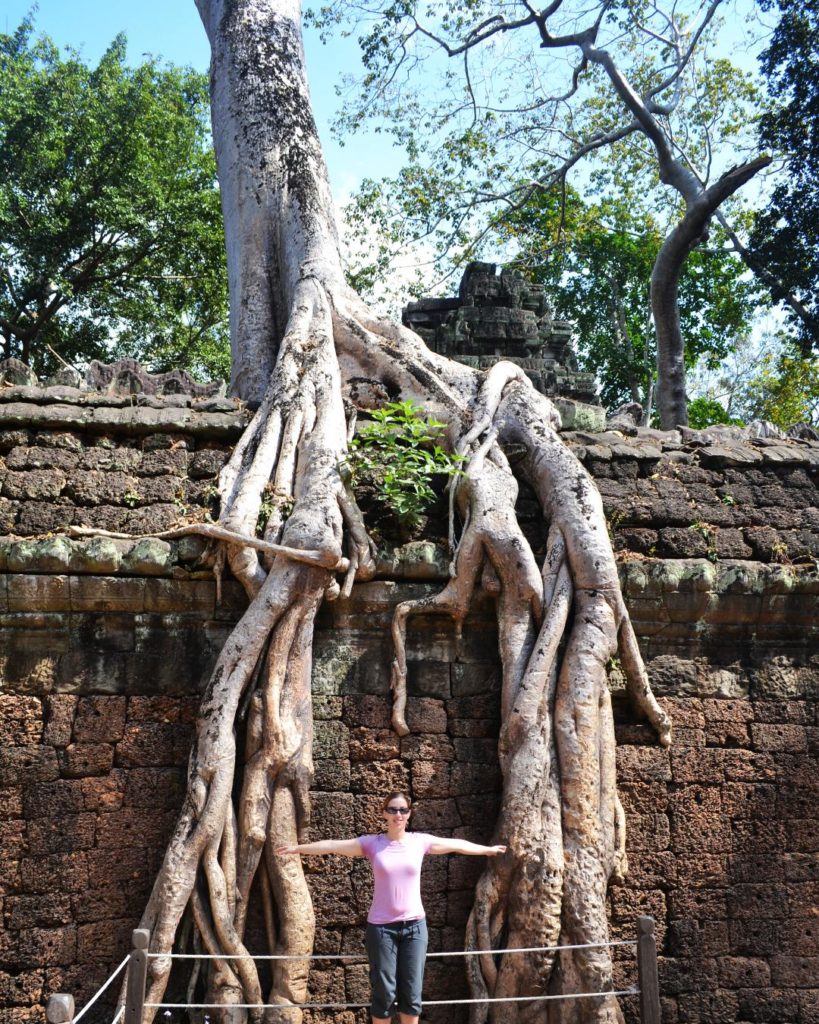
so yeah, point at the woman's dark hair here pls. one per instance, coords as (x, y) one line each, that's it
(397, 794)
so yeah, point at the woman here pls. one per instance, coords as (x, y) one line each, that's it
(396, 924)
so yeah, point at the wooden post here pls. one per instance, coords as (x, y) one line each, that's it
(60, 1009)
(647, 972)
(137, 977)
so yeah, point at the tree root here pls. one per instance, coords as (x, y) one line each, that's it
(560, 815)
(318, 558)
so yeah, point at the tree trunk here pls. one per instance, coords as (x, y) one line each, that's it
(665, 280)
(304, 345)
(672, 403)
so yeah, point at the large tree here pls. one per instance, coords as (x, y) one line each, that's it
(309, 354)
(596, 259)
(110, 222)
(528, 94)
(784, 246)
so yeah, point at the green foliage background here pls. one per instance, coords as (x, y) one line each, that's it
(110, 222)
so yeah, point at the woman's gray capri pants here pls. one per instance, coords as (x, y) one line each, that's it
(396, 952)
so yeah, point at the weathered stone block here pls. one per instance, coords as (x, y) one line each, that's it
(179, 596)
(133, 828)
(78, 760)
(332, 815)
(642, 764)
(800, 867)
(20, 719)
(106, 594)
(331, 775)
(795, 971)
(778, 737)
(67, 872)
(758, 901)
(46, 946)
(758, 867)
(95, 487)
(368, 820)
(379, 777)
(102, 903)
(766, 1004)
(482, 751)
(207, 462)
(428, 679)
(802, 835)
(746, 800)
(808, 1006)
(373, 744)
(65, 834)
(158, 788)
(103, 517)
(103, 941)
(754, 938)
(327, 708)
(29, 764)
(331, 739)
(433, 747)
(20, 989)
(475, 678)
(327, 985)
(152, 745)
(93, 671)
(426, 715)
(357, 983)
(430, 779)
(116, 460)
(99, 719)
(129, 865)
(170, 461)
(34, 485)
(148, 557)
(477, 810)
(11, 802)
(474, 778)
(168, 710)
(799, 936)
(105, 793)
(37, 593)
(59, 719)
(764, 835)
(334, 897)
(436, 816)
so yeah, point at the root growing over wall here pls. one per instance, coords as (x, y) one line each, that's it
(305, 347)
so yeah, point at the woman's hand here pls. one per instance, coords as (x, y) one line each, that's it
(283, 851)
(493, 851)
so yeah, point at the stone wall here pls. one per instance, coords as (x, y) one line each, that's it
(104, 647)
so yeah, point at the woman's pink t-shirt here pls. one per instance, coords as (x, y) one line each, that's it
(397, 876)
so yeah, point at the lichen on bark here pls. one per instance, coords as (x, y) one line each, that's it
(305, 349)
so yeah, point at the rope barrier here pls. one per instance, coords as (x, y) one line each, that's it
(99, 992)
(363, 956)
(358, 1006)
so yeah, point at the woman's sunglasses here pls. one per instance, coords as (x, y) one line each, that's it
(397, 810)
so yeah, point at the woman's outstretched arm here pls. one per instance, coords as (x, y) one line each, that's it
(463, 846)
(343, 847)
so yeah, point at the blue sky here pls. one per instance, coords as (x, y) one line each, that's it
(171, 29)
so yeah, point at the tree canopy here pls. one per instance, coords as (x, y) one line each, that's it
(525, 96)
(596, 260)
(785, 239)
(110, 223)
